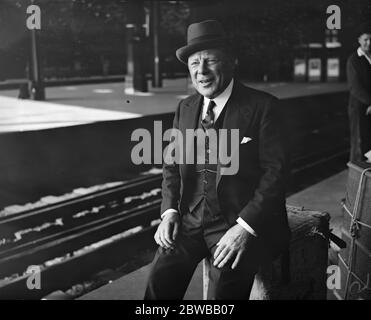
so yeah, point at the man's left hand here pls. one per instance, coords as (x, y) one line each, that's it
(368, 111)
(232, 245)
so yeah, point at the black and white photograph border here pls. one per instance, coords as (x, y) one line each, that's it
(185, 150)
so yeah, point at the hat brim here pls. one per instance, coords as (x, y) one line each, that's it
(184, 52)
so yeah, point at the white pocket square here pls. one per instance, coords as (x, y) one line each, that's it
(245, 140)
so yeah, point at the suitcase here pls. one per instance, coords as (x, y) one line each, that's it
(301, 272)
(355, 259)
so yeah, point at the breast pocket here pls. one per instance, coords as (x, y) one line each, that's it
(249, 156)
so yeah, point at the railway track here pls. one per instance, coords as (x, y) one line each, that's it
(70, 240)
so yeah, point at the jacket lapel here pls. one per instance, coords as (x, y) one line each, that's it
(189, 121)
(191, 113)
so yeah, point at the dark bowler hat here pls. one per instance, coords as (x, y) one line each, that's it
(203, 35)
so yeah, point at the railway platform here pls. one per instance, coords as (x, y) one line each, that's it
(81, 104)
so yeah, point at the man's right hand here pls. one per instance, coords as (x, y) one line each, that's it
(167, 231)
(368, 111)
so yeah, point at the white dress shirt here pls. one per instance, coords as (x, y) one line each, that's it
(220, 101)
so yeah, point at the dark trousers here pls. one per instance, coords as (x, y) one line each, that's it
(172, 270)
(360, 132)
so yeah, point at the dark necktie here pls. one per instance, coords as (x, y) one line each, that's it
(208, 122)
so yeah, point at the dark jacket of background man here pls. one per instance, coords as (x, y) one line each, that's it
(359, 80)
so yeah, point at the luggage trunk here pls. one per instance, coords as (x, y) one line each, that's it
(355, 259)
(301, 273)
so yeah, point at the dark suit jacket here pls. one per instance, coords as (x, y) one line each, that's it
(359, 81)
(257, 192)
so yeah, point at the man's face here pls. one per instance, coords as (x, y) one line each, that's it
(211, 71)
(365, 42)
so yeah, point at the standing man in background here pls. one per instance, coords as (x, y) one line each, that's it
(359, 108)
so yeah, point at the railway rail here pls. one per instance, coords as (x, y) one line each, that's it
(76, 237)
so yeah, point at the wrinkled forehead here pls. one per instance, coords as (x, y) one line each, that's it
(207, 54)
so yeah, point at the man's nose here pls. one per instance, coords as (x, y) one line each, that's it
(202, 67)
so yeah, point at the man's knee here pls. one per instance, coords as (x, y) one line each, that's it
(170, 274)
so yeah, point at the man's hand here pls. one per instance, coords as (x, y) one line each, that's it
(368, 111)
(231, 245)
(167, 231)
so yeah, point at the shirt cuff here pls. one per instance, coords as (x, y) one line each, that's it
(243, 224)
(168, 211)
